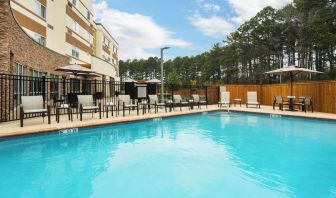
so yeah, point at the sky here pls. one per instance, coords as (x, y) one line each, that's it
(189, 27)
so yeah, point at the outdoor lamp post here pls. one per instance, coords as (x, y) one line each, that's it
(162, 85)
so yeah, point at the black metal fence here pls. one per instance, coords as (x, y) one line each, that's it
(53, 91)
(65, 90)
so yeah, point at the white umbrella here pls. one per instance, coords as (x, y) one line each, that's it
(130, 80)
(291, 71)
(154, 81)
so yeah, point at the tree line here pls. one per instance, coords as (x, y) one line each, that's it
(302, 33)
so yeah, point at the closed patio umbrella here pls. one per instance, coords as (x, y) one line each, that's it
(292, 71)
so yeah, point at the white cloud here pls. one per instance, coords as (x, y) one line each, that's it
(247, 9)
(213, 26)
(219, 27)
(210, 7)
(135, 33)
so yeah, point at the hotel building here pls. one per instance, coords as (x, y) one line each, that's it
(66, 27)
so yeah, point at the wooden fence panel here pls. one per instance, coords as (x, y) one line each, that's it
(322, 92)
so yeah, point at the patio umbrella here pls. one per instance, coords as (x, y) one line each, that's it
(75, 69)
(86, 75)
(157, 81)
(130, 80)
(292, 71)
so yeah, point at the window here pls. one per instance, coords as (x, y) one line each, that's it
(53, 86)
(53, 76)
(40, 39)
(88, 15)
(40, 9)
(20, 82)
(20, 69)
(37, 74)
(75, 3)
(87, 36)
(36, 82)
(75, 52)
(74, 26)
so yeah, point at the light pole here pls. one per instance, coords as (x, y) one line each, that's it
(162, 85)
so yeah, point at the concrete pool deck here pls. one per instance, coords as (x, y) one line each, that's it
(35, 125)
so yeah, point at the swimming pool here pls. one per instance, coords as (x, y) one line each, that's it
(203, 155)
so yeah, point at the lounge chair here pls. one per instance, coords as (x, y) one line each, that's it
(86, 104)
(252, 99)
(197, 100)
(125, 102)
(153, 101)
(177, 100)
(33, 105)
(278, 100)
(224, 99)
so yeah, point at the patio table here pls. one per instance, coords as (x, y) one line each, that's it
(144, 106)
(237, 100)
(64, 107)
(170, 104)
(191, 103)
(112, 105)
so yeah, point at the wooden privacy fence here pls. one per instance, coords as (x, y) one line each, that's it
(322, 92)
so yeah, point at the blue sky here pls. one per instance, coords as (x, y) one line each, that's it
(190, 27)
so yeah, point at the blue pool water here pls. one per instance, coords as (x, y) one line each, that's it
(205, 156)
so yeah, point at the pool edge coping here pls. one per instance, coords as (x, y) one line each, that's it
(143, 118)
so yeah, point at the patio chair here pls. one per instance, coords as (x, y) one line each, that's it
(33, 105)
(125, 102)
(224, 99)
(300, 102)
(86, 104)
(197, 100)
(57, 101)
(252, 99)
(278, 100)
(153, 100)
(305, 103)
(308, 102)
(177, 100)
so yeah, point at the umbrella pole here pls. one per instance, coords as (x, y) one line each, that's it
(291, 83)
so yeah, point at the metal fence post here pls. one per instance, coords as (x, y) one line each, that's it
(206, 94)
(43, 86)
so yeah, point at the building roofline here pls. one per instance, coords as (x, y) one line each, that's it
(97, 23)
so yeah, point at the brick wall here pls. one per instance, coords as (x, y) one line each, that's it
(4, 37)
(31, 54)
(17, 47)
